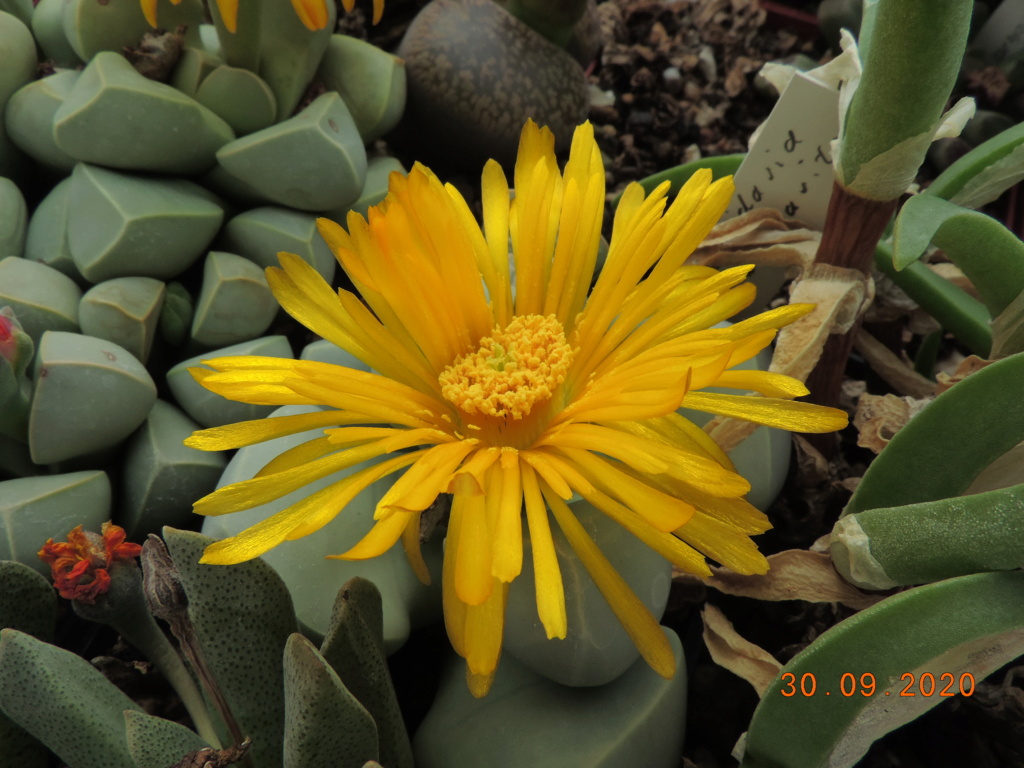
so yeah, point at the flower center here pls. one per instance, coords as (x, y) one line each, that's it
(513, 370)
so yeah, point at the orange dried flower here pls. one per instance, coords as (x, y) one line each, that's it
(81, 565)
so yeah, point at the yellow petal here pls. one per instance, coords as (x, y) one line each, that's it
(473, 580)
(228, 10)
(782, 414)
(312, 13)
(484, 626)
(149, 11)
(245, 433)
(508, 527)
(547, 575)
(454, 609)
(724, 543)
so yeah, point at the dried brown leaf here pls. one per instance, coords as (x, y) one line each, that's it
(879, 418)
(737, 654)
(897, 373)
(965, 368)
(796, 574)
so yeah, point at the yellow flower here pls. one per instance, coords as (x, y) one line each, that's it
(516, 391)
(312, 13)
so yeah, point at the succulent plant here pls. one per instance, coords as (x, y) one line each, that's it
(279, 700)
(193, 154)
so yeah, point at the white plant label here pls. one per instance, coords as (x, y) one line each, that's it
(789, 165)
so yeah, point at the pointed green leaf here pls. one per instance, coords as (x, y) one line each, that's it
(325, 725)
(64, 701)
(354, 647)
(29, 604)
(157, 743)
(242, 615)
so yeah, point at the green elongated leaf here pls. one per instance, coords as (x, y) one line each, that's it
(1008, 329)
(243, 616)
(909, 70)
(933, 540)
(988, 253)
(64, 701)
(932, 638)
(958, 312)
(354, 647)
(984, 173)
(723, 165)
(157, 743)
(325, 725)
(29, 604)
(942, 449)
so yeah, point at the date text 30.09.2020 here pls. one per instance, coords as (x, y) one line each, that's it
(910, 684)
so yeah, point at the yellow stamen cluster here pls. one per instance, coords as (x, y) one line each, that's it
(513, 369)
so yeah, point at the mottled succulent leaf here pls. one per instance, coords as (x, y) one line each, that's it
(354, 647)
(325, 725)
(242, 616)
(29, 604)
(157, 743)
(64, 701)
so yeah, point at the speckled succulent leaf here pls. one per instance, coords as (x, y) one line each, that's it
(909, 71)
(242, 615)
(933, 540)
(157, 743)
(325, 725)
(944, 447)
(991, 255)
(64, 701)
(29, 604)
(371, 83)
(354, 647)
(967, 625)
